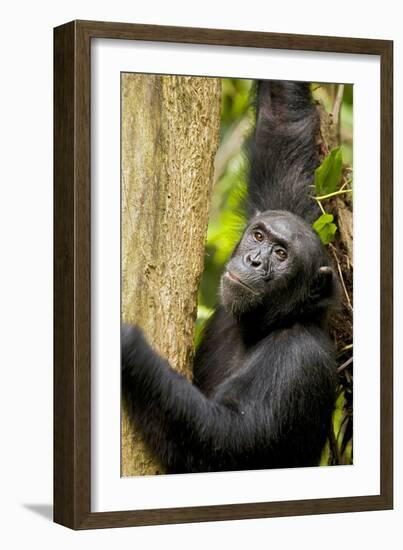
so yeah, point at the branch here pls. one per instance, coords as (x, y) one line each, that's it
(337, 108)
(334, 194)
(341, 276)
(345, 365)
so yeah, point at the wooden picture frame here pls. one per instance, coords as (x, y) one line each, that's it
(72, 271)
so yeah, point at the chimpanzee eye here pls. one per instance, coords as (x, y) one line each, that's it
(258, 236)
(281, 253)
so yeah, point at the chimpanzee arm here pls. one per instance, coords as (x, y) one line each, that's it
(185, 429)
(248, 425)
(283, 150)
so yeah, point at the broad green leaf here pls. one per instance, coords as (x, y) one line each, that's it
(325, 228)
(328, 174)
(321, 222)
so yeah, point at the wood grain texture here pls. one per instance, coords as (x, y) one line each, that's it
(170, 134)
(386, 282)
(63, 331)
(72, 264)
(221, 37)
(72, 325)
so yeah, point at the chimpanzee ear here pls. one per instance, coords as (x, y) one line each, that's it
(326, 272)
(324, 283)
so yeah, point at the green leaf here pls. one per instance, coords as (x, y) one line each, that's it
(328, 174)
(325, 228)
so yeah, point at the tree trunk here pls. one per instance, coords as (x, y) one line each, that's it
(170, 134)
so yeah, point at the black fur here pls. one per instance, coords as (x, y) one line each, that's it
(264, 374)
(283, 152)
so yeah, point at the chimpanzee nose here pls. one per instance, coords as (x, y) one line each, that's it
(253, 259)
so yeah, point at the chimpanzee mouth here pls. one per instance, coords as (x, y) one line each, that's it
(237, 280)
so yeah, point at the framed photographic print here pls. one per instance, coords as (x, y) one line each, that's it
(223, 249)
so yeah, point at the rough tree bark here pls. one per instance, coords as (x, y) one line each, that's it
(170, 134)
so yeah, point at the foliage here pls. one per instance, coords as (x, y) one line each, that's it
(327, 177)
(328, 174)
(325, 228)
